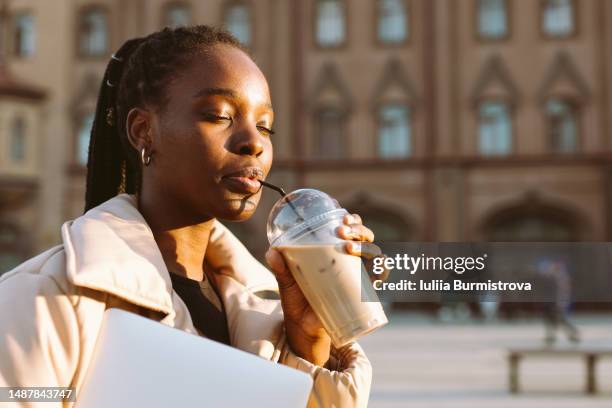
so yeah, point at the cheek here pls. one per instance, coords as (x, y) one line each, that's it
(212, 136)
(197, 144)
(185, 153)
(269, 153)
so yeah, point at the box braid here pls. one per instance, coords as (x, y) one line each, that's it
(136, 76)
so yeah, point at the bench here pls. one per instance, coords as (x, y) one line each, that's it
(590, 354)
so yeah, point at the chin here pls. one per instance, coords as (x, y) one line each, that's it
(239, 210)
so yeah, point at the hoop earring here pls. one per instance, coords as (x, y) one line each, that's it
(146, 161)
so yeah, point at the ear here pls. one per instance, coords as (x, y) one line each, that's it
(139, 126)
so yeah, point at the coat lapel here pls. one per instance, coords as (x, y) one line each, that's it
(112, 249)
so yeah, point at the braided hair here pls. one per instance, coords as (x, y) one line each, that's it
(136, 76)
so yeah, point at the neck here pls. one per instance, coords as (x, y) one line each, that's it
(182, 242)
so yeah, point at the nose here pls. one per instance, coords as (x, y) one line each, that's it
(248, 143)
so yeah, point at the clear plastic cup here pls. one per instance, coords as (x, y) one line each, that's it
(302, 226)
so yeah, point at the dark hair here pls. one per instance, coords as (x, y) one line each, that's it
(137, 75)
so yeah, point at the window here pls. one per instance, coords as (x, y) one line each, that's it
(494, 129)
(537, 227)
(330, 23)
(558, 18)
(492, 19)
(562, 126)
(93, 35)
(177, 15)
(330, 134)
(24, 35)
(394, 131)
(238, 22)
(18, 140)
(392, 21)
(83, 136)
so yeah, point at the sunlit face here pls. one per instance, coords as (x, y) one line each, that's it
(217, 121)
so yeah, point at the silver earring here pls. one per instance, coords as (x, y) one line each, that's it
(146, 161)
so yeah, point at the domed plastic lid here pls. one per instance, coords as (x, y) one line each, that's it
(300, 211)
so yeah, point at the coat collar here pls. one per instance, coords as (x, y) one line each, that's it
(112, 249)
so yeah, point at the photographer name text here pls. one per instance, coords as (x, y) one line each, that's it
(438, 285)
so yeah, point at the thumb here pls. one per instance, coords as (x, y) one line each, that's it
(277, 264)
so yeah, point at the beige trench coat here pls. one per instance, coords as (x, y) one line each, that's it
(51, 306)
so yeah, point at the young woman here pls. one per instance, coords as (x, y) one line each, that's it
(180, 137)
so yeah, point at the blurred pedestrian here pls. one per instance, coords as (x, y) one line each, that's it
(557, 311)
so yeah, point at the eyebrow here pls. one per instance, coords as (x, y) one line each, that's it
(222, 92)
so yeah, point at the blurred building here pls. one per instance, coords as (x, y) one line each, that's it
(434, 119)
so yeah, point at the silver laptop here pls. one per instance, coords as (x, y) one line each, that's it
(142, 363)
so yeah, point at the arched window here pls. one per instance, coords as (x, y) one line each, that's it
(83, 136)
(531, 227)
(330, 134)
(394, 131)
(562, 125)
(558, 18)
(18, 140)
(24, 35)
(238, 21)
(330, 27)
(93, 32)
(492, 19)
(392, 21)
(494, 128)
(177, 15)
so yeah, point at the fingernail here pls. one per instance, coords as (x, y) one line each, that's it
(350, 219)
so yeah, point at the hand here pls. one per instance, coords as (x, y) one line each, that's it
(356, 231)
(305, 333)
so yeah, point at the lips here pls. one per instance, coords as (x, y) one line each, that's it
(248, 172)
(245, 180)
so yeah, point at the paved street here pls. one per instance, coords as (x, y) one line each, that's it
(419, 362)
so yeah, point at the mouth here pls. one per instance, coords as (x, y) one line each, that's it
(244, 181)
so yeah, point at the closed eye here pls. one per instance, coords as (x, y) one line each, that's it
(265, 131)
(216, 118)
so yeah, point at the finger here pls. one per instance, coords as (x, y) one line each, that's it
(379, 275)
(353, 248)
(369, 250)
(352, 219)
(363, 249)
(356, 232)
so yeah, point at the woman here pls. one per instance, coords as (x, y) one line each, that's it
(181, 135)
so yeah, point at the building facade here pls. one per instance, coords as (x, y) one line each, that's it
(436, 120)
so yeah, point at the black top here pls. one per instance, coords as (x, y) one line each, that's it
(204, 306)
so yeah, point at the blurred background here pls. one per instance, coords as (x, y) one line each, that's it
(435, 120)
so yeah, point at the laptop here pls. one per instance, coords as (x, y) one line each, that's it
(138, 362)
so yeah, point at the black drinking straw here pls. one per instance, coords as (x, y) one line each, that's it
(284, 195)
(273, 187)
